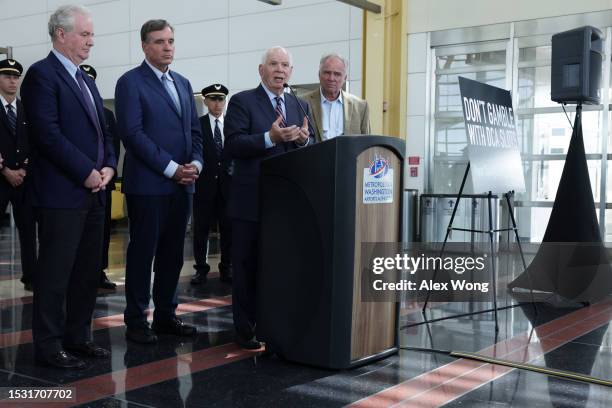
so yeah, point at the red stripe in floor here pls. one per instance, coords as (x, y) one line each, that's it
(451, 381)
(25, 336)
(121, 381)
(24, 300)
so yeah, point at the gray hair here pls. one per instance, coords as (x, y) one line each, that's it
(325, 57)
(63, 18)
(153, 25)
(269, 51)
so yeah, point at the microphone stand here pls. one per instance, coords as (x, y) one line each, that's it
(310, 122)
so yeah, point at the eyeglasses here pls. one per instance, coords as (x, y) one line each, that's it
(216, 97)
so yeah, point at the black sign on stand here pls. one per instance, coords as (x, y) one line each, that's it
(493, 149)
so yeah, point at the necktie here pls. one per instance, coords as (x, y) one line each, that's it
(172, 92)
(12, 119)
(217, 139)
(279, 111)
(91, 109)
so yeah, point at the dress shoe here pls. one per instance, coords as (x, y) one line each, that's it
(249, 344)
(198, 279)
(28, 286)
(88, 349)
(60, 359)
(174, 326)
(105, 283)
(141, 334)
(225, 277)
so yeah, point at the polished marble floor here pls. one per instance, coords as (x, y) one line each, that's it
(211, 371)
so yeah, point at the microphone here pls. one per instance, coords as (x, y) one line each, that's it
(310, 122)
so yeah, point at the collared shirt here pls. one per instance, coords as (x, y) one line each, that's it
(72, 69)
(5, 102)
(172, 166)
(212, 119)
(272, 97)
(159, 76)
(332, 116)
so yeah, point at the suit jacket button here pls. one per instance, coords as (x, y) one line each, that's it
(17, 150)
(216, 177)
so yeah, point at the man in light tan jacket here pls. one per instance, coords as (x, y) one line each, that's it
(334, 111)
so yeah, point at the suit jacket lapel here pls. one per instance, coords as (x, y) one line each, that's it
(182, 95)
(207, 130)
(265, 104)
(347, 108)
(4, 119)
(156, 84)
(97, 102)
(71, 82)
(291, 111)
(315, 106)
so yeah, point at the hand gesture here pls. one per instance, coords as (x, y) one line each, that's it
(286, 134)
(304, 132)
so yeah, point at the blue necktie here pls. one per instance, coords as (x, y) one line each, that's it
(12, 119)
(172, 92)
(217, 139)
(91, 109)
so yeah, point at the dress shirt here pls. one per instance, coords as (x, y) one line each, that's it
(5, 102)
(332, 116)
(212, 119)
(72, 69)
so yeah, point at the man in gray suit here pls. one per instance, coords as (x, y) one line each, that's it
(334, 111)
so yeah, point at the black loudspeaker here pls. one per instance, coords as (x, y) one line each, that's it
(577, 56)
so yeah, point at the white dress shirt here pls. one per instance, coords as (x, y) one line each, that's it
(332, 117)
(212, 119)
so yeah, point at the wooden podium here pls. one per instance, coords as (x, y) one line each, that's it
(313, 220)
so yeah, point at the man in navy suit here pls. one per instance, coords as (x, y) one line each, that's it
(158, 123)
(14, 148)
(74, 163)
(212, 190)
(260, 123)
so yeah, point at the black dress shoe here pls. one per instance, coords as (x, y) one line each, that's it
(225, 277)
(174, 326)
(88, 349)
(61, 359)
(141, 334)
(198, 278)
(249, 344)
(28, 286)
(105, 283)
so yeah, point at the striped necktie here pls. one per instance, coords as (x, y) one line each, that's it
(217, 139)
(279, 111)
(93, 114)
(12, 119)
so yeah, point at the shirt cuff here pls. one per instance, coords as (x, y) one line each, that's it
(269, 142)
(305, 144)
(198, 165)
(171, 169)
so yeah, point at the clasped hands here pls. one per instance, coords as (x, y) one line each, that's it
(186, 174)
(97, 180)
(290, 133)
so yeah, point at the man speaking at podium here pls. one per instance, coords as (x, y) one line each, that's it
(260, 123)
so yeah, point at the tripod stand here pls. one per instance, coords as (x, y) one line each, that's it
(491, 232)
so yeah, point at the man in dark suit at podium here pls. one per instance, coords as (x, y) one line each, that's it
(212, 189)
(260, 123)
(14, 149)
